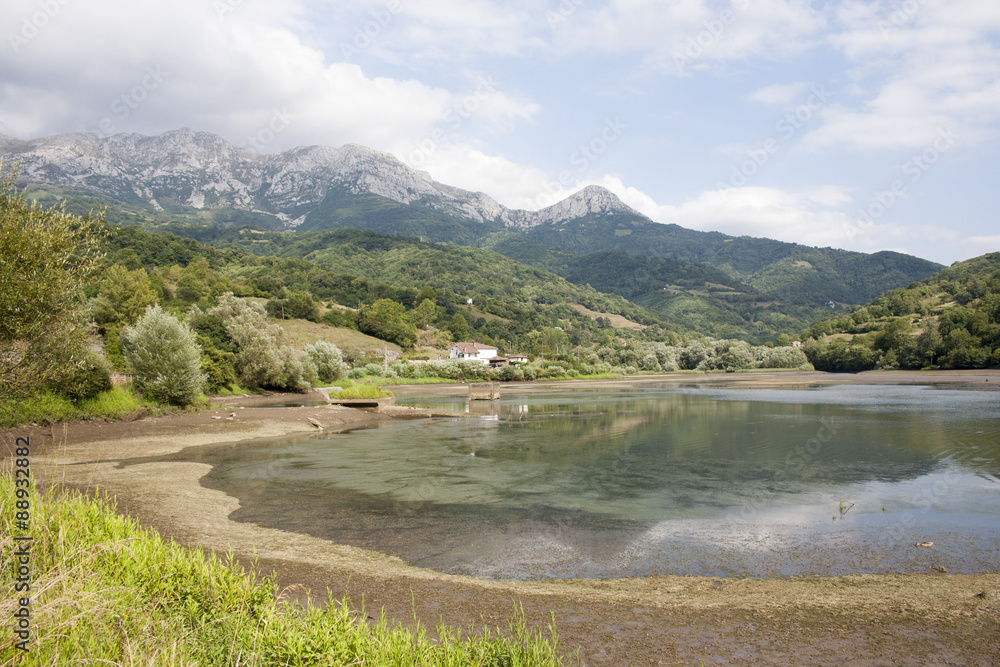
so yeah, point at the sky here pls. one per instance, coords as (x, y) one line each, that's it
(860, 125)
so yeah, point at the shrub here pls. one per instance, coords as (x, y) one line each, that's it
(373, 370)
(327, 359)
(292, 374)
(163, 353)
(88, 377)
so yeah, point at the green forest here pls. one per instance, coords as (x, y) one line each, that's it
(950, 320)
(716, 285)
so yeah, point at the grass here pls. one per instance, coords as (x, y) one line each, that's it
(235, 390)
(105, 590)
(303, 332)
(114, 404)
(358, 390)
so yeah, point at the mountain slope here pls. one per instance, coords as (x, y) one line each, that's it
(198, 179)
(951, 319)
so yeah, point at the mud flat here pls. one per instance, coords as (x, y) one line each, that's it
(902, 619)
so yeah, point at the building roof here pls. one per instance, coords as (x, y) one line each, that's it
(472, 348)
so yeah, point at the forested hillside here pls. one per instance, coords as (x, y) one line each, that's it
(717, 285)
(950, 320)
(354, 268)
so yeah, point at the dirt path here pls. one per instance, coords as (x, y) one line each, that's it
(910, 619)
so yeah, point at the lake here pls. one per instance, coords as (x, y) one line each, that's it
(654, 480)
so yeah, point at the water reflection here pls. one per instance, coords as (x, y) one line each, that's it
(691, 481)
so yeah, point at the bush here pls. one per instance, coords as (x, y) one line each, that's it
(163, 353)
(219, 367)
(89, 377)
(292, 374)
(256, 339)
(327, 359)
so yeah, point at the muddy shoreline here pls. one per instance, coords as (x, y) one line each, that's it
(915, 619)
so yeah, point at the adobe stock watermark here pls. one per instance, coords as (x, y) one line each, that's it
(902, 15)
(562, 13)
(225, 7)
(582, 158)
(786, 127)
(32, 24)
(914, 168)
(453, 118)
(925, 499)
(278, 122)
(796, 461)
(365, 35)
(714, 29)
(123, 105)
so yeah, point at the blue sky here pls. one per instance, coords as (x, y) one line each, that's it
(860, 125)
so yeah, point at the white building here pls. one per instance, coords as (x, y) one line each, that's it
(472, 351)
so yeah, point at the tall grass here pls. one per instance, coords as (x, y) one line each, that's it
(358, 390)
(108, 591)
(116, 403)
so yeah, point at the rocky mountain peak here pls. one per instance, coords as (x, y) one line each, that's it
(203, 170)
(592, 200)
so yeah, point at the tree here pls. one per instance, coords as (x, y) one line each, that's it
(298, 305)
(123, 297)
(257, 340)
(163, 353)
(46, 255)
(387, 320)
(425, 313)
(929, 342)
(459, 328)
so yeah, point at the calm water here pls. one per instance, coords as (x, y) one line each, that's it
(725, 482)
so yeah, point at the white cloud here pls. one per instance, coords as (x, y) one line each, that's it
(778, 94)
(934, 64)
(688, 35)
(227, 72)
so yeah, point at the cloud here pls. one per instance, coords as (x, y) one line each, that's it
(778, 94)
(933, 64)
(690, 35)
(229, 71)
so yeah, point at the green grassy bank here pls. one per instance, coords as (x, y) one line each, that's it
(105, 590)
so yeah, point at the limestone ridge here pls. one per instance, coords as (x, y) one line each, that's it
(202, 170)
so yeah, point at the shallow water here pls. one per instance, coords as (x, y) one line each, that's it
(657, 480)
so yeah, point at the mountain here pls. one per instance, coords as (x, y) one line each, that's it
(310, 185)
(190, 181)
